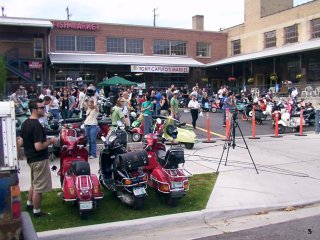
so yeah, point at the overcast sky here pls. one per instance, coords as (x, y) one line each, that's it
(170, 13)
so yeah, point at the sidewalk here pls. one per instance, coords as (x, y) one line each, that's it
(288, 176)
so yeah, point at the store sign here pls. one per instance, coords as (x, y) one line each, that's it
(159, 69)
(35, 64)
(76, 25)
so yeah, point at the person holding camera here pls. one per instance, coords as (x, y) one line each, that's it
(91, 125)
(229, 103)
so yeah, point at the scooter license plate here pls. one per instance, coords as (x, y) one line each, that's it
(176, 184)
(139, 191)
(86, 205)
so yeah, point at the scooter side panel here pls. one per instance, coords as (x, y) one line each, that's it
(186, 136)
(97, 193)
(69, 189)
(153, 163)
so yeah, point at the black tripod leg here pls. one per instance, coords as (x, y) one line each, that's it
(247, 148)
(224, 148)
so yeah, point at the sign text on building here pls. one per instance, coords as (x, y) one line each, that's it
(159, 69)
(35, 64)
(76, 25)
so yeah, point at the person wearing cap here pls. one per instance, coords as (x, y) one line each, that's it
(194, 107)
(174, 105)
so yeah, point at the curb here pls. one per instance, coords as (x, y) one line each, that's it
(185, 219)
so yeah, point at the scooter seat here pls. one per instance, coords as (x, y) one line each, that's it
(161, 154)
(80, 168)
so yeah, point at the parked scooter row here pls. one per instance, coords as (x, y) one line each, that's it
(127, 174)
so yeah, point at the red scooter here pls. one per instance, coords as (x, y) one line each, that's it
(164, 173)
(78, 184)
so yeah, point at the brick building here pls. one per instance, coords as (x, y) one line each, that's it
(276, 38)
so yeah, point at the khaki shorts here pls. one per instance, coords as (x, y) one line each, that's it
(41, 176)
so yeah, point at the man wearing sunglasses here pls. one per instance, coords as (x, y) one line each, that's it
(35, 142)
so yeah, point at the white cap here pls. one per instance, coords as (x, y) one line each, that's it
(176, 92)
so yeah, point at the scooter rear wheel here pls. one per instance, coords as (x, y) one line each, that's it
(138, 203)
(189, 145)
(281, 129)
(214, 110)
(171, 201)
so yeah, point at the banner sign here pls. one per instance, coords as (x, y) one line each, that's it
(76, 25)
(35, 64)
(159, 69)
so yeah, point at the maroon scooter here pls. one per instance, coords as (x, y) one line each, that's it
(164, 173)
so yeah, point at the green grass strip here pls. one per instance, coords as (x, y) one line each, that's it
(110, 209)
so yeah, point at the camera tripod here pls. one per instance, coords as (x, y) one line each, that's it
(231, 142)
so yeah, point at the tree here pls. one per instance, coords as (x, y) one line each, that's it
(3, 76)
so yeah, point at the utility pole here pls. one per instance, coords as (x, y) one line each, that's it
(68, 14)
(154, 16)
(2, 9)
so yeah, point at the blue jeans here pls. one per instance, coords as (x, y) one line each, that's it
(147, 124)
(55, 113)
(91, 134)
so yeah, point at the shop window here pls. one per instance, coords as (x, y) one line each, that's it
(315, 28)
(293, 70)
(86, 43)
(291, 34)
(236, 47)
(125, 45)
(203, 49)
(38, 48)
(314, 70)
(270, 39)
(166, 47)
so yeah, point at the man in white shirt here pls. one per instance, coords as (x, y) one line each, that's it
(81, 97)
(194, 107)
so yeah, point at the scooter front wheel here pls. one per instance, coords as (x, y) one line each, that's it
(214, 110)
(136, 137)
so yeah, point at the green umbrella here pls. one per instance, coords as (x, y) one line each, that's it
(116, 80)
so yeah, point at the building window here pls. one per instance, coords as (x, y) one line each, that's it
(270, 39)
(134, 46)
(291, 34)
(314, 70)
(315, 28)
(65, 43)
(38, 48)
(125, 45)
(86, 43)
(236, 47)
(203, 49)
(166, 47)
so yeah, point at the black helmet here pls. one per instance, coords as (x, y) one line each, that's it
(172, 131)
(54, 124)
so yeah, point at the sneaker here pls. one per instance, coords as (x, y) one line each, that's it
(223, 125)
(29, 207)
(41, 214)
(91, 157)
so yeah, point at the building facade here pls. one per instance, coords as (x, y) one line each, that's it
(276, 39)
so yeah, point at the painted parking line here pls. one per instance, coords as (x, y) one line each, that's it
(205, 130)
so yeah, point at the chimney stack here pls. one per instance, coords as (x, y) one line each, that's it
(197, 22)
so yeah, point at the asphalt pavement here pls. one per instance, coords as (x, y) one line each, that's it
(288, 175)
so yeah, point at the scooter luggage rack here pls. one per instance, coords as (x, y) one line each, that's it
(183, 171)
(79, 184)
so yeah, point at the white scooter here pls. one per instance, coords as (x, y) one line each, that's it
(287, 122)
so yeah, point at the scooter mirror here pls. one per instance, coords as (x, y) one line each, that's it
(158, 120)
(103, 138)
